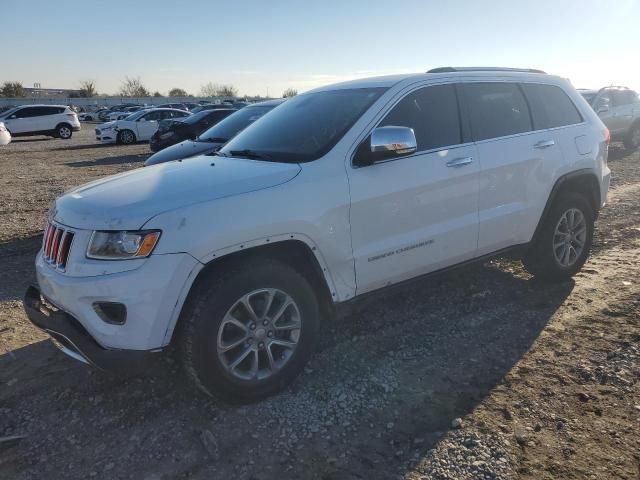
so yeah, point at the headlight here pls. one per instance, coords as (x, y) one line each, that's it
(122, 245)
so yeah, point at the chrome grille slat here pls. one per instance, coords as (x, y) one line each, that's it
(56, 245)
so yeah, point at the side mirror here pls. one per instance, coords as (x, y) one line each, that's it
(386, 143)
(603, 108)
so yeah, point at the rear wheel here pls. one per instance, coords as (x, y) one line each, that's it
(126, 137)
(565, 240)
(64, 132)
(632, 139)
(248, 332)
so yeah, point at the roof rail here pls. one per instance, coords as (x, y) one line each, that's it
(483, 69)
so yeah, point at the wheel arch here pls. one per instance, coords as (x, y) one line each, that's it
(295, 251)
(584, 182)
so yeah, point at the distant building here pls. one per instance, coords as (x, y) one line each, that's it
(37, 91)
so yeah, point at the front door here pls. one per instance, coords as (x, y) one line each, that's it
(419, 213)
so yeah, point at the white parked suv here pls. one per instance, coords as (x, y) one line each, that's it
(137, 127)
(53, 120)
(239, 257)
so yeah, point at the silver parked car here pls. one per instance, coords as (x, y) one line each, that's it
(619, 110)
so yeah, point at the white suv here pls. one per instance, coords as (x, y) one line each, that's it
(239, 257)
(53, 120)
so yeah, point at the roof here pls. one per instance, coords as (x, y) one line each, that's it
(391, 80)
(267, 103)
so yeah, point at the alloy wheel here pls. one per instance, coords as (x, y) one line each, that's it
(259, 334)
(569, 237)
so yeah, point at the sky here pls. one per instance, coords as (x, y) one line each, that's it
(265, 47)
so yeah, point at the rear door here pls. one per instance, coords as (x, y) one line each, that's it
(514, 161)
(418, 213)
(148, 124)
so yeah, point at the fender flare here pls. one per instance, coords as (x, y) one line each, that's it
(585, 173)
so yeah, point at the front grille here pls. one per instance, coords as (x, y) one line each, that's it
(56, 245)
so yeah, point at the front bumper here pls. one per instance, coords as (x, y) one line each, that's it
(152, 290)
(106, 136)
(69, 335)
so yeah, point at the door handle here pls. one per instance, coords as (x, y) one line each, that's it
(459, 162)
(545, 144)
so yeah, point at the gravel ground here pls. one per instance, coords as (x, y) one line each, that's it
(480, 373)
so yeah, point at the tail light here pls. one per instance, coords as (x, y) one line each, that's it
(607, 136)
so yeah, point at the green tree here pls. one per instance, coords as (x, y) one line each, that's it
(133, 87)
(157, 94)
(13, 89)
(289, 92)
(178, 92)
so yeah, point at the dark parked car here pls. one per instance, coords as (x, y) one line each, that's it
(179, 106)
(216, 136)
(211, 106)
(176, 130)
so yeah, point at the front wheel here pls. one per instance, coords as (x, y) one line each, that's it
(565, 240)
(632, 139)
(248, 332)
(64, 132)
(126, 137)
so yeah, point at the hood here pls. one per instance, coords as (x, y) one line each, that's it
(103, 126)
(128, 200)
(186, 149)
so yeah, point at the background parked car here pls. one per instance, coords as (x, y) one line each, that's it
(125, 112)
(103, 116)
(91, 116)
(212, 139)
(619, 110)
(5, 136)
(179, 106)
(137, 127)
(53, 120)
(176, 130)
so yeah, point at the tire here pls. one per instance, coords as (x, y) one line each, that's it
(126, 137)
(546, 262)
(208, 325)
(64, 131)
(632, 138)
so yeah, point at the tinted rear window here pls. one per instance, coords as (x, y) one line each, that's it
(550, 106)
(496, 110)
(432, 113)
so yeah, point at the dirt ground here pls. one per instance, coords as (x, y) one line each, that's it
(479, 373)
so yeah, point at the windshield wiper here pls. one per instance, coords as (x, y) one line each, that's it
(212, 140)
(251, 154)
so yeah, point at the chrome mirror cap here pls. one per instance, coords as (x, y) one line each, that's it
(393, 140)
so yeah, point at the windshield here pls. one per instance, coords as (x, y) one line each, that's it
(221, 132)
(9, 112)
(305, 127)
(589, 97)
(134, 116)
(195, 117)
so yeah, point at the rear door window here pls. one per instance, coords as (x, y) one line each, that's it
(496, 110)
(432, 113)
(550, 106)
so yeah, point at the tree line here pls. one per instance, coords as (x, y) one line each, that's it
(133, 87)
